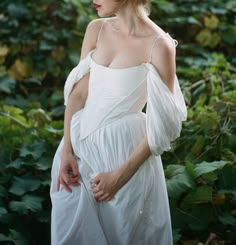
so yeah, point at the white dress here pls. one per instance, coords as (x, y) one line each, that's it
(104, 134)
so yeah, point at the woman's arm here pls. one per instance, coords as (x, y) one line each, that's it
(164, 61)
(79, 92)
(107, 184)
(76, 102)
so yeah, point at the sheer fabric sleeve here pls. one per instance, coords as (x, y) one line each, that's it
(75, 75)
(165, 112)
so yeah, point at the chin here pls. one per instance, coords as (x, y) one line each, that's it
(104, 14)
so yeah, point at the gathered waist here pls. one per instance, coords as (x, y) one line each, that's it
(134, 122)
(78, 123)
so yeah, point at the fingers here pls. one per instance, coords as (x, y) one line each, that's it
(74, 181)
(96, 180)
(101, 196)
(109, 198)
(65, 185)
(95, 188)
(65, 179)
(105, 197)
(74, 168)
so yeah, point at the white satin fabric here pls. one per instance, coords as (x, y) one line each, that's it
(104, 134)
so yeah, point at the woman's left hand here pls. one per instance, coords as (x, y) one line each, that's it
(105, 186)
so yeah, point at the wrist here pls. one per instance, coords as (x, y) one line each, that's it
(123, 174)
(67, 148)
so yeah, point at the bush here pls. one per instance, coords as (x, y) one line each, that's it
(40, 43)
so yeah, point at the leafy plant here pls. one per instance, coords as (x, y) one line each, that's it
(40, 43)
(27, 146)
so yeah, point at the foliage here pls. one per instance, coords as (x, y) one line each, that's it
(202, 189)
(209, 25)
(34, 63)
(27, 146)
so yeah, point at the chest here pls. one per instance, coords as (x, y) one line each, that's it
(117, 52)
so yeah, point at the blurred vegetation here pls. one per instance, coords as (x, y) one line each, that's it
(40, 43)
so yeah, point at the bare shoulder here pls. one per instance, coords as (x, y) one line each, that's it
(163, 58)
(164, 48)
(165, 42)
(95, 24)
(90, 37)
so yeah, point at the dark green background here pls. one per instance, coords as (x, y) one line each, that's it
(40, 43)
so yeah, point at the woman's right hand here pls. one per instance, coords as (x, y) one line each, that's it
(69, 173)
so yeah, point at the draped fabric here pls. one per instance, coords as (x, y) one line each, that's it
(103, 135)
(75, 75)
(165, 112)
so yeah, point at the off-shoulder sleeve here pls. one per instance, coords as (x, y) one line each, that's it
(164, 114)
(75, 75)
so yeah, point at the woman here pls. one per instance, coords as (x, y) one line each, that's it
(108, 184)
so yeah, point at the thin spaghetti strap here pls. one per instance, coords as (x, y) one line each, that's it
(99, 33)
(153, 45)
(175, 42)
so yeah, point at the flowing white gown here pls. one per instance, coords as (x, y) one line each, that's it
(104, 134)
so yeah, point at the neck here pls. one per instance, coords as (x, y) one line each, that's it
(129, 20)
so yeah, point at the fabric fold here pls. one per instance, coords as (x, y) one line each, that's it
(75, 75)
(165, 112)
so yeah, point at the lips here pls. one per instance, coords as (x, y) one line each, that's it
(97, 6)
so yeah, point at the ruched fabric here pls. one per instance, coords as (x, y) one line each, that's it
(103, 135)
(165, 112)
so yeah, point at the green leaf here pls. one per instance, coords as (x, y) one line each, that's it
(12, 110)
(4, 238)
(212, 176)
(200, 217)
(28, 203)
(35, 149)
(17, 164)
(193, 20)
(179, 182)
(43, 165)
(227, 219)
(3, 191)
(7, 84)
(22, 185)
(176, 234)
(229, 35)
(18, 238)
(190, 169)
(227, 180)
(202, 194)
(39, 116)
(207, 167)
(44, 216)
(3, 211)
(211, 22)
(17, 10)
(54, 130)
(198, 145)
(46, 46)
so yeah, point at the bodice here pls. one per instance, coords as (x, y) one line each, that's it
(112, 94)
